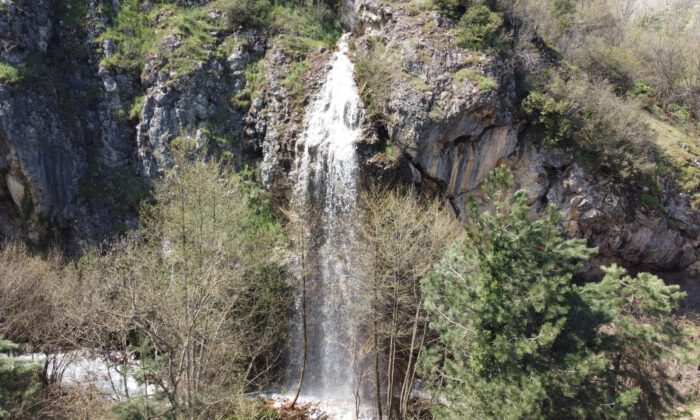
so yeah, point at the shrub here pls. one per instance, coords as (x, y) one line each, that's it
(302, 28)
(9, 73)
(375, 76)
(452, 8)
(132, 36)
(30, 303)
(479, 27)
(20, 385)
(551, 114)
(608, 130)
(207, 246)
(247, 13)
(485, 83)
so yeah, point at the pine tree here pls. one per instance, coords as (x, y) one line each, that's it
(517, 339)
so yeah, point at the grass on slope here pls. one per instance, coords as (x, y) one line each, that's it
(682, 150)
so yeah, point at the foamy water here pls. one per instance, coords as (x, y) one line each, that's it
(326, 172)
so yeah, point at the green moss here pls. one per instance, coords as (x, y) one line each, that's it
(468, 74)
(389, 153)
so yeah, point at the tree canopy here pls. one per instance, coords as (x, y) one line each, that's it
(517, 338)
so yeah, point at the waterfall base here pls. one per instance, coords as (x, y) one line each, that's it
(321, 408)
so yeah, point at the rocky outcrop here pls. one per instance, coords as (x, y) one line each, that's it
(448, 113)
(445, 111)
(276, 117)
(39, 162)
(623, 230)
(196, 105)
(64, 134)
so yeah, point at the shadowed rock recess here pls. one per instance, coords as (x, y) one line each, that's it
(80, 141)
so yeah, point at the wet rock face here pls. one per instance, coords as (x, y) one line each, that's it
(40, 156)
(448, 113)
(276, 118)
(37, 155)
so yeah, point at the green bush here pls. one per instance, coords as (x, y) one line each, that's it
(452, 8)
(9, 73)
(20, 385)
(375, 76)
(609, 132)
(247, 13)
(479, 27)
(551, 114)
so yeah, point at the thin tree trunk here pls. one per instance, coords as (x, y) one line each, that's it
(392, 358)
(407, 380)
(375, 332)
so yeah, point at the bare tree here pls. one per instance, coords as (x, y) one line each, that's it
(199, 292)
(403, 237)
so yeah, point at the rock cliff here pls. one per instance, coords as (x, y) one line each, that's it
(73, 166)
(449, 113)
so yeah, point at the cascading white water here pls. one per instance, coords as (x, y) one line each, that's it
(326, 170)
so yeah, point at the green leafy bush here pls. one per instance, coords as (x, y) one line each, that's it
(551, 114)
(452, 8)
(375, 75)
(247, 13)
(479, 27)
(608, 130)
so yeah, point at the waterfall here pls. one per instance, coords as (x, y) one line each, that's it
(326, 171)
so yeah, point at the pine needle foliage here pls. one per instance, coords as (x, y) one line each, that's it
(518, 339)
